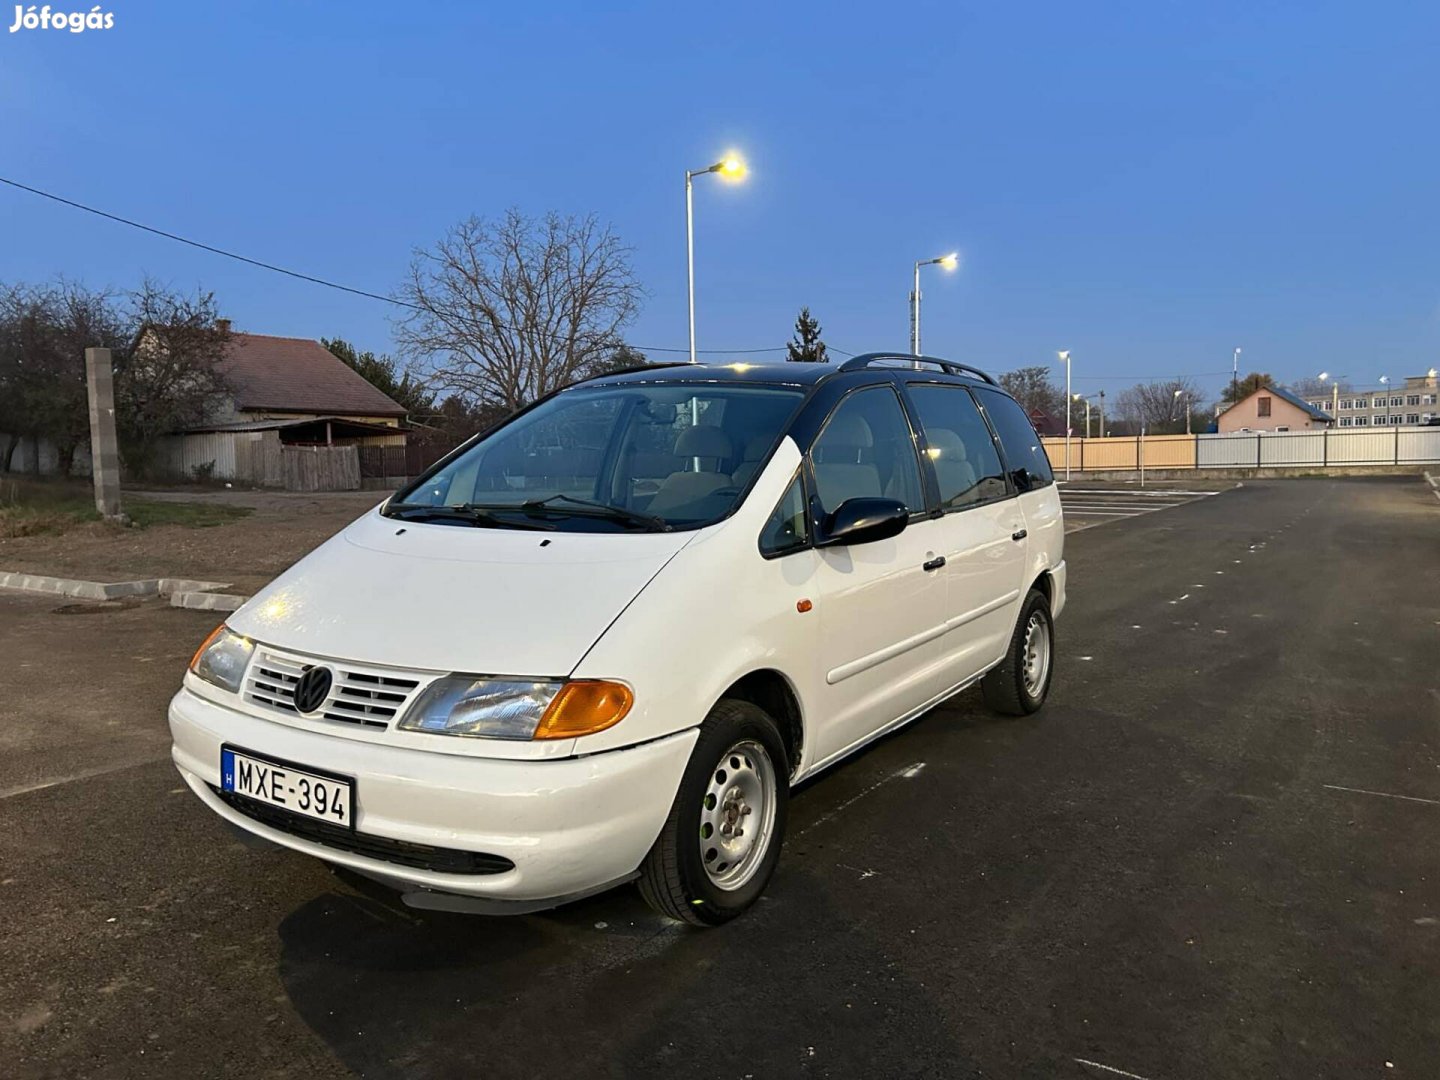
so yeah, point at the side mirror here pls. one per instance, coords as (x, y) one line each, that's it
(1023, 479)
(864, 521)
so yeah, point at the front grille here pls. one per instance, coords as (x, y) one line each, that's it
(365, 697)
(402, 852)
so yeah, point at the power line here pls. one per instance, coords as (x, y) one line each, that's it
(297, 274)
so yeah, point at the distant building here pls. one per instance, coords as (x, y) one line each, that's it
(304, 392)
(287, 396)
(1413, 403)
(1272, 409)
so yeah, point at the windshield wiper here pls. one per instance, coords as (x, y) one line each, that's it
(468, 515)
(599, 509)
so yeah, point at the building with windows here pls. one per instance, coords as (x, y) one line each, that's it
(1271, 409)
(1417, 402)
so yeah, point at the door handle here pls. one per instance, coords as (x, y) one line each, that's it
(1017, 536)
(934, 564)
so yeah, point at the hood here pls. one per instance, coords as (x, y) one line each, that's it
(454, 598)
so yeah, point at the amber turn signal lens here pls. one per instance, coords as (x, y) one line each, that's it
(583, 708)
(206, 644)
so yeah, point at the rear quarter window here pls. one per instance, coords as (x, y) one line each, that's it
(1022, 446)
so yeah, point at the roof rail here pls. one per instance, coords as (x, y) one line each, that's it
(950, 367)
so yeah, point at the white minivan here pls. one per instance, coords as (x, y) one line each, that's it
(600, 642)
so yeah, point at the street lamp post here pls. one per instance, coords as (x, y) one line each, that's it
(1178, 394)
(949, 262)
(1334, 381)
(1385, 384)
(730, 168)
(1064, 355)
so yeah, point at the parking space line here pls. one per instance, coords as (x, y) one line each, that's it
(1382, 794)
(1110, 1069)
(83, 774)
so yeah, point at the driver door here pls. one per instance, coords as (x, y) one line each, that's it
(881, 604)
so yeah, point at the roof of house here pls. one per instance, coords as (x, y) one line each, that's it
(348, 422)
(298, 375)
(1285, 395)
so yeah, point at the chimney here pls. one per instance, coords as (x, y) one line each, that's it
(223, 325)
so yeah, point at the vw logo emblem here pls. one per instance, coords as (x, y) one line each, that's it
(312, 689)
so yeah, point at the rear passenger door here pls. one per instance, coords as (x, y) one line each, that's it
(880, 605)
(981, 529)
(1031, 475)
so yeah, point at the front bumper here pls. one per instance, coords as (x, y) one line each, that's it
(570, 826)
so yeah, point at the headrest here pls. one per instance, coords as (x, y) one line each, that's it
(756, 447)
(950, 446)
(847, 429)
(705, 440)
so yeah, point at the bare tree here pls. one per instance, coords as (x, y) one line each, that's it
(1159, 407)
(171, 378)
(1315, 389)
(44, 332)
(506, 311)
(1033, 389)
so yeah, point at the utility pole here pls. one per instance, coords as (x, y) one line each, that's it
(104, 449)
(1235, 377)
(1102, 414)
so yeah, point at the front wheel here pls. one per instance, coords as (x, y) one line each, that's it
(722, 838)
(1019, 685)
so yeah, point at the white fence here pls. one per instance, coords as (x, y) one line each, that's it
(1311, 449)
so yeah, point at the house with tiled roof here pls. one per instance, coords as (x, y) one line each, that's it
(1271, 408)
(284, 394)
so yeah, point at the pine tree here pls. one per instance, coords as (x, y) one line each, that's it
(806, 347)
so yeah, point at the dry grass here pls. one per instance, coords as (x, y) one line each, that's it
(31, 507)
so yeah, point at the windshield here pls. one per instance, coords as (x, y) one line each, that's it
(611, 458)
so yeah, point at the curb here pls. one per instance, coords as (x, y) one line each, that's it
(183, 592)
(203, 601)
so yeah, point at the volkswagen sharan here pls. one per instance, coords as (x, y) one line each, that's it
(600, 642)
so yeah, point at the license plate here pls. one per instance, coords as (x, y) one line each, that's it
(300, 789)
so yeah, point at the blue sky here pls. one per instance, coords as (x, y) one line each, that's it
(1145, 184)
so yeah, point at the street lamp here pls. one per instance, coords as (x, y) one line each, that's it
(948, 262)
(1187, 410)
(1082, 397)
(730, 167)
(1334, 381)
(1064, 355)
(1385, 382)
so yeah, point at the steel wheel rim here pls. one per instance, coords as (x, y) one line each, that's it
(1036, 668)
(737, 815)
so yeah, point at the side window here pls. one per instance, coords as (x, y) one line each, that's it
(866, 450)
(786, 530)
(1023, 449)
(959, 446)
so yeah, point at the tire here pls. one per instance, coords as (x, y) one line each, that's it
(1018, 687)
(738, 777)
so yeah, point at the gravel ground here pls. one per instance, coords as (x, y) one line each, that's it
(245, 553)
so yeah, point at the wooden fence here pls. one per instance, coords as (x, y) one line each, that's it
(320, 468)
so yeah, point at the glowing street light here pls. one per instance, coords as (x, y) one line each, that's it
(1334, 381)
(731, 167)
(945, 262)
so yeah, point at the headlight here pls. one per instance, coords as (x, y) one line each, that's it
(222, 657)
(516, 709)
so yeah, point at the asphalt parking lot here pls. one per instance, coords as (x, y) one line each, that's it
(1089, 502)
(1213, 854)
